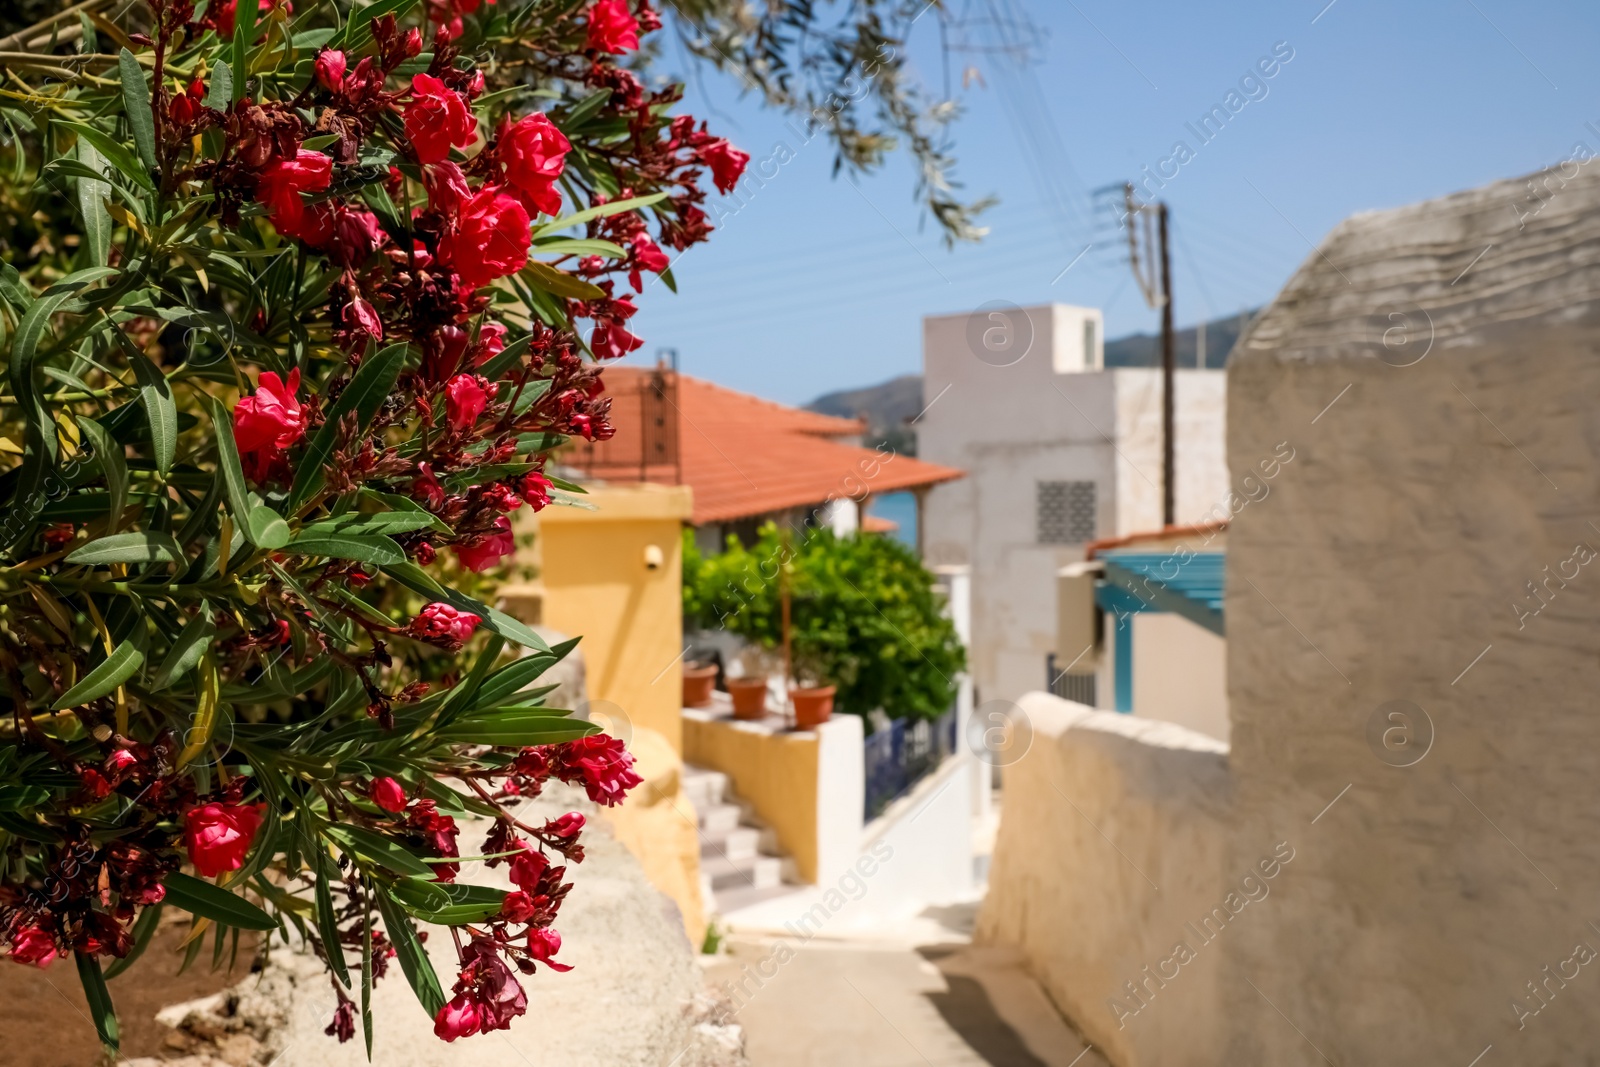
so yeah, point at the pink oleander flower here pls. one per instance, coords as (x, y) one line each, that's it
(486, 550)
(491, 238)
(34, 945)
(219, 835)
(568, 825)
(612, 27)
(535, 489)
(267, 422)
(442, 624)
(601, 763)
(388, 794)
(280, 187)
(543, 944)
(329, 69)
(528, 867)
(517, 907)
(459, 1018)
(465, 397)
(535, 153)
(436, 119)
(491, 342)
(727, 163)
(646, 255)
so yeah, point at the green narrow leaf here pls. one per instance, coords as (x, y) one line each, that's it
(219, 94)
(613, 208)
(327, 923)
(115, 669)
(449, 904)
(136, 104)
(373, 382)
(357, 525)
(99, 998)
(267, 528)
(113, 464)
(414, 960)
(511, 678)
(139, 546)
(559, 282)
(187, 649)
(244, 28)
(40, 444)
(366, 981)
(228, 462)
(516, 729)
(92, 196)
(114, 152)
(156, 395)
(373, 846)
(465, 690)
(366, 548)
(199, 897)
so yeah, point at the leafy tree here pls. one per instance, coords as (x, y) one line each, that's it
(863, 615)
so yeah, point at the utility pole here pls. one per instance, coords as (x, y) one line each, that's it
(1153, 271)
(1168, 358)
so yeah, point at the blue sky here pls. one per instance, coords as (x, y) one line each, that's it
(818, 284)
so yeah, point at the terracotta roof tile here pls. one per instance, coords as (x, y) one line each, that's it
(742, 456)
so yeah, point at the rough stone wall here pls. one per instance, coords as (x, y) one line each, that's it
(635, 998)
(1436, 370)
(1113, 842)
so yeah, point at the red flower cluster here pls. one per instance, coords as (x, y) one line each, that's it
(600, 763)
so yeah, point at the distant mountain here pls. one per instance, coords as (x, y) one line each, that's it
(1144, 349)
(887, 407)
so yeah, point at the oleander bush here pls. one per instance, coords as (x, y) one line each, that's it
(298, 299)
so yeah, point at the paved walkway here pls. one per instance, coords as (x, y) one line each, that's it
(919, 995)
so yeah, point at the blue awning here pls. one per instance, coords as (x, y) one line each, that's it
(1187, 584)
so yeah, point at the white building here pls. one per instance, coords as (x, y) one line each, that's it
(1059, 452)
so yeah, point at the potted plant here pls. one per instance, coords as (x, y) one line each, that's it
(699, 682)
(749, 690)
(812, 696)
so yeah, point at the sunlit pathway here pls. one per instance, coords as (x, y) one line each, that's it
(892, 1003)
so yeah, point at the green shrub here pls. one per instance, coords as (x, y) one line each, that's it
(863, 611)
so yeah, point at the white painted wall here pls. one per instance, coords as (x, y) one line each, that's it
(1012, 426)
(1180, 673)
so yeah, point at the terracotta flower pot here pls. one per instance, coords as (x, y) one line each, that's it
(812, 707)
(698, 683)
(749, 697)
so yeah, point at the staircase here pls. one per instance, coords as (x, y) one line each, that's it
(739, 864)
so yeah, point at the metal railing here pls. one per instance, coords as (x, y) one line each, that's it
(901, 755)
(1076, 687)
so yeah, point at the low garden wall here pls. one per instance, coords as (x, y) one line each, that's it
(1110, 875)
(805, 784)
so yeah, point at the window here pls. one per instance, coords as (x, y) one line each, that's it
(1088, 344)
(1066, 512)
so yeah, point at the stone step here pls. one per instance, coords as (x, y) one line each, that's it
(739, 843)
(704, 788)
(731, 900)
(752, 872)
(720, 819)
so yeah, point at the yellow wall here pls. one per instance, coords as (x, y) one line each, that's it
(776, 772)
(597, 585)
